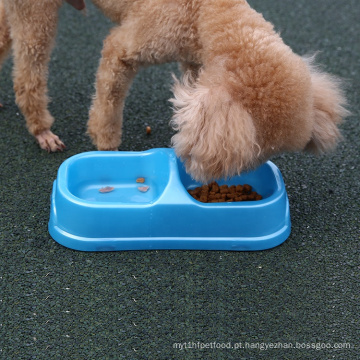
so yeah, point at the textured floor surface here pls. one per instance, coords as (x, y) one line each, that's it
(60, 303)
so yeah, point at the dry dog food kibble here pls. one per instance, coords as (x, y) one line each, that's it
(143, 188)
(214, 193)
(106, 189)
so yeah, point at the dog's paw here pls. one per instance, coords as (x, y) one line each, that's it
(49, 141)
(107, 148)
(108, 140)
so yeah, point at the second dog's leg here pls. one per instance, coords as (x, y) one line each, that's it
(32, 44)
(5, 40)
(113, 79)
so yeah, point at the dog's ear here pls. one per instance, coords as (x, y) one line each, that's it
(216, 136)
(77, 4)
(329, 109)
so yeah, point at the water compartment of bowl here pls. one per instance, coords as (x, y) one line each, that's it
(164, 216)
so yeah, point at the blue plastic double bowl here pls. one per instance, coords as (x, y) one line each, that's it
(161, 214)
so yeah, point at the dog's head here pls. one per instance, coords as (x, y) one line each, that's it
(215, 134)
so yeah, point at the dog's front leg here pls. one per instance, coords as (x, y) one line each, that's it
(114, 76)
(32, 45)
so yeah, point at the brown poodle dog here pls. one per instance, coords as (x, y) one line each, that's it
(244, 97)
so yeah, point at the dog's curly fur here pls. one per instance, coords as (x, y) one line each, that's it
(244, 97)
